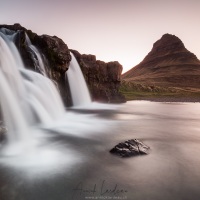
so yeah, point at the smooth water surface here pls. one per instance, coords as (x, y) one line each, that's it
(81, 167)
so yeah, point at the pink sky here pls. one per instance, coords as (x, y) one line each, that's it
(122, 30)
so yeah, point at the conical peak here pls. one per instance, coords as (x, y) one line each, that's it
(170, 38)
(169, 50)
(168, 43)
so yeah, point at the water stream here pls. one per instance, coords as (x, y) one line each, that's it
(27, 98)
(78, 87)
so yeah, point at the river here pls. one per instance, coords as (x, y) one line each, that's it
(84, 168)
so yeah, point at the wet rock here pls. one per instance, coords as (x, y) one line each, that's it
(130, 148)
(3, 131)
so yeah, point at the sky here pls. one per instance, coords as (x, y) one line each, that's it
(113, 30)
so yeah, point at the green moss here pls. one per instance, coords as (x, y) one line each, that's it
(133, 91)
(133, 95)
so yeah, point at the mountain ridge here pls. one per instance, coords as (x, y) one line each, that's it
(165, 59)
(168, 65)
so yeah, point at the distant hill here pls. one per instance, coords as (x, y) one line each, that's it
(169, 66)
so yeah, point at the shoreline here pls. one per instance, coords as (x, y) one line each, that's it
(169, 99)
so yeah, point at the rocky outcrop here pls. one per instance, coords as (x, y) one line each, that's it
(130, 148)
(103, 79)
(168, 64)
(56, 55)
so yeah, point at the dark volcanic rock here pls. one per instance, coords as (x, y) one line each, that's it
(54, 51)
(130, 148)
(169, 64)
(102, 78)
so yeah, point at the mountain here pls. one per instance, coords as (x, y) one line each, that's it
(169, 63)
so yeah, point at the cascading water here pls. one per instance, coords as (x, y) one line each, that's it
(35, 117)
(36, 57)
(27, 98)
(78, 87)
(12, 92)
(9, 36)
(12, 113)
(46, 93)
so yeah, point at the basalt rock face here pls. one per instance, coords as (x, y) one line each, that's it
(54, 51)
(103, 79)
(169, 64)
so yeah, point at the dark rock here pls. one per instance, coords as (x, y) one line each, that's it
(130, 148)
(3, 131)
(103, 79)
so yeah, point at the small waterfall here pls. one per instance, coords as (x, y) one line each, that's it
(9, 36)
(78, 87)
(12, 91)
(36, 57)
(13, 116)
(44, 90)
(27, 98)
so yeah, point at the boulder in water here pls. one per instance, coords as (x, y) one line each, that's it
(130, 148)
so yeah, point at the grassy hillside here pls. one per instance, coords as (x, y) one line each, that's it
(168, 72)
(138, 91)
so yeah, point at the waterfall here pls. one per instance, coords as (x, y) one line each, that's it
(36, 56)
(9, 36)
(27, 98)
(45, 91)
(12, 113)
(78, 87)
(34, 115)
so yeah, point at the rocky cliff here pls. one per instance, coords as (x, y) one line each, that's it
(168, 64)
(103, 79)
